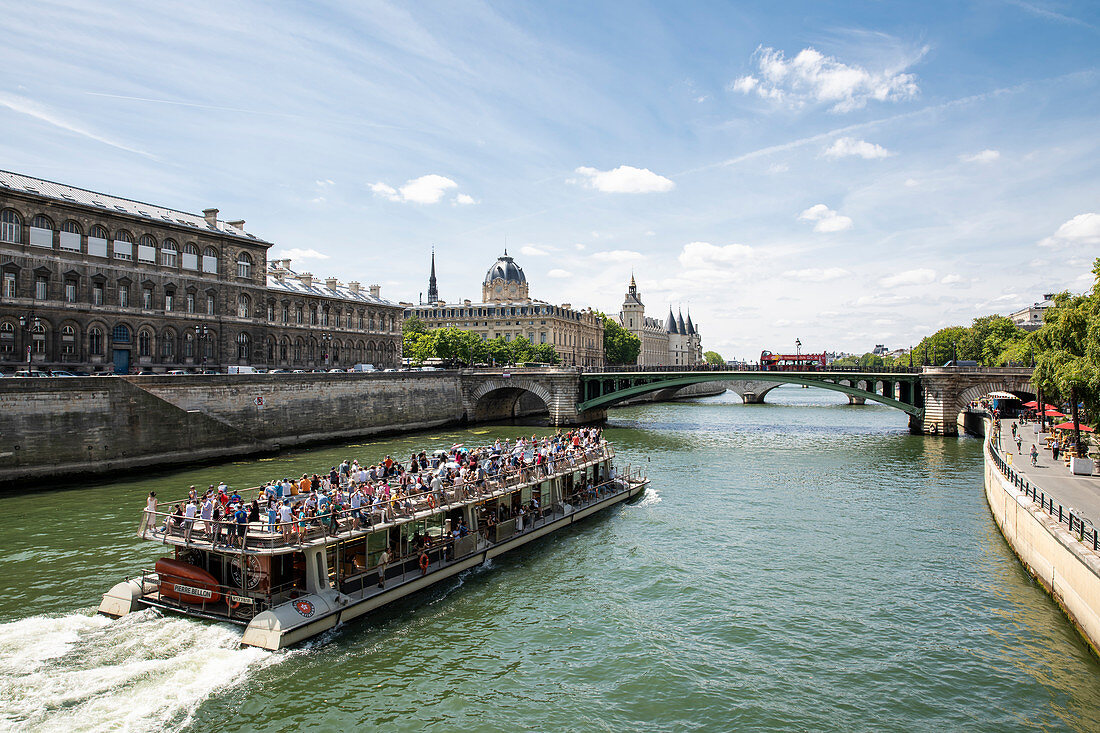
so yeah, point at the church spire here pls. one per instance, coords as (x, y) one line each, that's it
(433, 291)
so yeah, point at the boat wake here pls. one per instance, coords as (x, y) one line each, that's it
(142, 672)
(650, 497)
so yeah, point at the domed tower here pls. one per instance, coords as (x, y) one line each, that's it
(504, 281)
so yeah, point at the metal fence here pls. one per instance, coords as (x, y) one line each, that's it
(1078, 525)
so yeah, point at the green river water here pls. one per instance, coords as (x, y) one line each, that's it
(801, 565)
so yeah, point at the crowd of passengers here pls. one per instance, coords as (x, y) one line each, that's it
(351, 495)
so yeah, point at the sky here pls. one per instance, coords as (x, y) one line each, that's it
(842, 173)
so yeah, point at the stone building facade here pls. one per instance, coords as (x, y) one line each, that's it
(675, 342)
(93, 282)
(508, 310)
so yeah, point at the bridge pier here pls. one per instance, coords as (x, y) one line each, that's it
(853, 400)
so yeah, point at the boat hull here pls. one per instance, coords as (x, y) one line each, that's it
(291, 623)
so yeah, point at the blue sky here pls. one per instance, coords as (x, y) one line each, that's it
(845, 173)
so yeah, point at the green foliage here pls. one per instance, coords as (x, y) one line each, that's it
(466, 347)
(619, 345)
(413, 324)
(713, 357)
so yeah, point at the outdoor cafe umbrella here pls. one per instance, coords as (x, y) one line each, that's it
(1033, 403)
(1053, 413)
(1068, 425)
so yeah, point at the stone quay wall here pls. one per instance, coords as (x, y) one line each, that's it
(1069, 571)
(66, 427)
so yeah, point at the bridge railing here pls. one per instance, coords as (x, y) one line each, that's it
(1080, 526)
(748, 368)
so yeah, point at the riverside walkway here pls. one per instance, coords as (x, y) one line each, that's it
(1079, 493)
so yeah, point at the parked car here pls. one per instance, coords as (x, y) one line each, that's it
(279, 371)
(146, 373)
(178, 371)
(240, 370)
(209, 371)
(317, 371)
(28, 373)
(299, 371)
(364, 368)
(337, 371)
(103, 374)
(61, 373)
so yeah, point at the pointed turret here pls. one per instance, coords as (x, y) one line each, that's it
(433, 291)
(670, 322)
(680, 327)
(690, 325)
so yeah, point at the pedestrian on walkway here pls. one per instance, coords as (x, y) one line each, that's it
(1034, 455)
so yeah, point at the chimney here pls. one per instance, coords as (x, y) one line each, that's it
(466, 302)
(353, 287)
(307, 279)
(238, 224)
(376, 291)
(332, 283)
(211, 216)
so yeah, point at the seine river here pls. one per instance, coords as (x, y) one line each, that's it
(801, 565)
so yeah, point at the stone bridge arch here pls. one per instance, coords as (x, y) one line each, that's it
(489, 396)
(948, 391)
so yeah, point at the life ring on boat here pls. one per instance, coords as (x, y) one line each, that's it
(423, 562)
(431, 501)
(232, 603)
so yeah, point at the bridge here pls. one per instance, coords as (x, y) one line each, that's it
(932, 397)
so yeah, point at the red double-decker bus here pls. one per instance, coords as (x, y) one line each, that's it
(770, 362)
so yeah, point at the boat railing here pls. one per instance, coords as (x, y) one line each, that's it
(506, 471)
(230, 602)
(398, 508)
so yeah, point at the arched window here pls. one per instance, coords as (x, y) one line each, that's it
(98, 232)
(372, 321)
(244, 306)
(244, 265)
(298, 351)
(41, 221)
(124, 245)
(169, 252)
(190, 256)
(7, 338)
(70, 236)
(188, 345)
(68, 340)
(210, 260)
(168, 344)
(95, 341)
(270, 349)
(120, 334)
(284, 349)
(147, 240)
(336, 346)
(41, 231)
(38, 338)
(11, 229)
(242, 346)
(145, 343)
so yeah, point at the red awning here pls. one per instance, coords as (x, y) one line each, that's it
(1054, 413)
(1069, 426)
(1033, 403)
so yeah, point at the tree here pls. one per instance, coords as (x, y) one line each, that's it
(1067, 359)
(413, 324)
(545, 353)
(619, 345)
(713, 357)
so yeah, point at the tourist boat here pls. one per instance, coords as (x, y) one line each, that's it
(285, 588)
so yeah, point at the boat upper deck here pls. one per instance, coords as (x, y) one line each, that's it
(404, 494)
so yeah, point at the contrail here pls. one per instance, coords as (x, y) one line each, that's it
(33, 109)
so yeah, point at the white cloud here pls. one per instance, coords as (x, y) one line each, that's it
(912, 182)
(951, 279)
(704, 255)
(427, 189)
(297, 254)
(826, 219)
(559, 274)
(849, 146)
(778, 168)
(325, 183)
(920, 276)
(532, 251)
(1081, 229)
(465, 199)
(624, 179)
(816, 274)
(579, 246)
(986, 156)
(813, 78)
(618, 255)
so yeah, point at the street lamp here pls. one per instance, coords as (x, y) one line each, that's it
(203, 333)
(326, 339)
(27, 324)
(797, 347)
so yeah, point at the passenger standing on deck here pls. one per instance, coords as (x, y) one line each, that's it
(285, 519)
(383, 561)
(149, 519)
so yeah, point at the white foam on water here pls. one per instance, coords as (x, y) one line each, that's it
(650, 497)
(142, 672)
